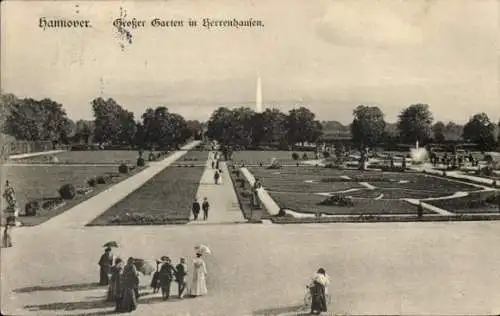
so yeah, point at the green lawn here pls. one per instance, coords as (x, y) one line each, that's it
(297, 187)
(88, 157)
(43, 182)
(165, 198)
(255, 157)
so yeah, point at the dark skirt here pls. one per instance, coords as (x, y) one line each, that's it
(129, 300)
(104, 275)
(318, 295)
(155, 281)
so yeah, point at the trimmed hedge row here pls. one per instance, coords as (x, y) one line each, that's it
(69, 191)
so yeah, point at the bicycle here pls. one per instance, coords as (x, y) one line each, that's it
(308, 297)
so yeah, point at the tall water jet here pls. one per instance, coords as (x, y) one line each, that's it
(258, 98)
(418, 155)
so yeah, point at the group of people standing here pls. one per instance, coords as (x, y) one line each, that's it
(123, 279)
(166, 273)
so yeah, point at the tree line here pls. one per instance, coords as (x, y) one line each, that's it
(46, 120)
(244, 127)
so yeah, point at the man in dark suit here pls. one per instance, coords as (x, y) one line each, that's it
(205, 206)
(196, 209)
(180, 277)
(167, 272)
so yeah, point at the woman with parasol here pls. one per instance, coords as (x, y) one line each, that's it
(105, 263)
(130, 285)
(199, 283)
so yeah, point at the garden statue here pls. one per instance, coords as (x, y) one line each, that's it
(255, 195)
(12, 210)
(362, 161)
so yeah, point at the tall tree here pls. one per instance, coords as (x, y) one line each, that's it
(368, 125)
(219, 125)
(7, 102)
(453, 131)
(113, 124)
(34, 120)
(242, 126)
(84, 131)
(438, 131)
(269, 127)
(415, 123)
(163, 129)
(195, 128)
(301, 126)
(480, 130)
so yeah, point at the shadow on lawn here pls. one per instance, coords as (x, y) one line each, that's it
(296, 310)
(71, 306)
(66, 288)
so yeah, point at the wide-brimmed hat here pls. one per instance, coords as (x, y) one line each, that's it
(165, 258)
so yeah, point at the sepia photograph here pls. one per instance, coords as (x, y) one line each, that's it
(250, 157)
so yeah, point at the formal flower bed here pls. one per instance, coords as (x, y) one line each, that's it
(311, 204)
(479, 201)
(385, 219)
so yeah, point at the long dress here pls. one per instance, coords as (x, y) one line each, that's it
(115, 288)
(199, 284)
(130, 283)
(318, 293)
(105, 263)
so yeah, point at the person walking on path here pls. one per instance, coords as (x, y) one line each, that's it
(167, 272)
(180, 276)
(318, 292)
(130, 284)
(105, 264)
(216, 177)
(196, 209)
(199, 285)
(205, 206)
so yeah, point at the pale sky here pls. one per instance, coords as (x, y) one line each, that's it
(330, 55)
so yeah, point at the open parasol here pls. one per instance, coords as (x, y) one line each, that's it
(143, 266)
(111, 244)
(202, 249)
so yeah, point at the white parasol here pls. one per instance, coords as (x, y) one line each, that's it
(202, 249)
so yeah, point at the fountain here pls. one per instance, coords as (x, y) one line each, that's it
(418, 155)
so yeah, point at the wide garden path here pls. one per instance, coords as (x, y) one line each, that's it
(224, 206)
(86, 211)
(376, 269)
